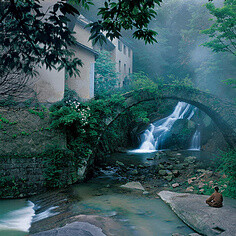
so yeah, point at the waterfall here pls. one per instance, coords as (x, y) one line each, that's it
(195, 142)
(154, 137)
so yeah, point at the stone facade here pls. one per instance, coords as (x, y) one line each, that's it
(21, 177)
(27, 132)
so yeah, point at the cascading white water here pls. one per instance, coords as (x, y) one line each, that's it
(195, 142)
(19, 219)
(153, 138)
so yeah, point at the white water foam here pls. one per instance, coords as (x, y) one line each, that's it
(196, 141)
(45, 214)
(19, 220)
(154, 137)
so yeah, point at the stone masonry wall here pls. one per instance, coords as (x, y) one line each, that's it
(21, 177)
(26, 132)
(27, 166)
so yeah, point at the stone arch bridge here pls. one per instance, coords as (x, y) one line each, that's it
(222, 112)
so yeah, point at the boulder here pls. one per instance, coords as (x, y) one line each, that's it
(175, 173)
(162, 172)
(189, 189)
(190, 159)
(134, 172)
(133, 185)
(175, 185)
(119, 163)
(168, 177)
(161, 166)
(157, 155)
(74, 229)
(206, 220)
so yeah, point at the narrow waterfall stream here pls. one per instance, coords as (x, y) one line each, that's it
(195, 142)
(154, 137)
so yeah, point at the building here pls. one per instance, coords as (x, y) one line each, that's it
(50, 85)
(122, 55)
(83, 85)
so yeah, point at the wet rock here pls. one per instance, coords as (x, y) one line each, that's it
(190, 159)
(74, 229)
(141, 166)
(121, 150)
(189, 189)
(150, 158)
(169, 172)
(201, 185)
(168, 177)
(162, 172)
(170, 167)
(191, 180)
(161, 166)
(119, 163)
(175, 173)
(157, 155)
(175, 185)
(133, 185)
(191, 208)
(180, 166)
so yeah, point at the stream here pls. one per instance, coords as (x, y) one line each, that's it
(137, 214)
(102, 199)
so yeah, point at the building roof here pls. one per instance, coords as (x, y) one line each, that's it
(87, 48)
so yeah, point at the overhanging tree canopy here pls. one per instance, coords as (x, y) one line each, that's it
(31, 36)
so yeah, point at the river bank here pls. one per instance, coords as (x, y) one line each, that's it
(102, 201)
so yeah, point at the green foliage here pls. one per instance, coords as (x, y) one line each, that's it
(41, 112)
(31, 35)
(106, 77)
(127, 15)
(9, 186)
(231, 82)
(55, 161)
(222, 31)
(6, 121)
(185, 83)
(228, 167)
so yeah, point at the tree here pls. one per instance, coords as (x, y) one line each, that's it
(222, 32)
(31, 36)
(106, 77)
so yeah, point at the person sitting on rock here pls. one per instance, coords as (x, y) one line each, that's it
(216, 199)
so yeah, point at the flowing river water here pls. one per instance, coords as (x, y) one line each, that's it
(138, 214)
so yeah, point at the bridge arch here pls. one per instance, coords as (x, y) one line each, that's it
(222, 112)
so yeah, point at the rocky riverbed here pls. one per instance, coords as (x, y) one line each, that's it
(169, 170)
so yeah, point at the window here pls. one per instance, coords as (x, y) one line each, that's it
(129, 52)
(119, 66)
(124, 49)
(125, 68)
(129, 70)
(119, 45)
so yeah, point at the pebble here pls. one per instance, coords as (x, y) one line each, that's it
(175, 185)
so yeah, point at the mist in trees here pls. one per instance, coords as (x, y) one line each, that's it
(179, 52)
